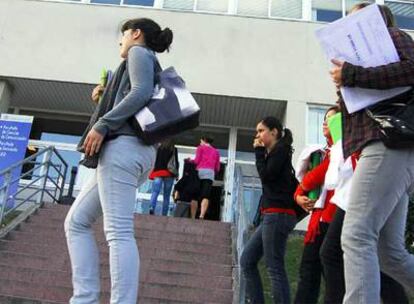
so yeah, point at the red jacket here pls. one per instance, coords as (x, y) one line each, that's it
(312, 180)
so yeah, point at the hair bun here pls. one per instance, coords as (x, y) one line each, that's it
(163, 40)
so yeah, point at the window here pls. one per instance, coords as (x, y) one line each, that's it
(287, 8)
(403, 13)
(179, 4)
(220, 6)
(140, 2)
(106, 1)
(253, 8)
(326, 11)
(316, 116)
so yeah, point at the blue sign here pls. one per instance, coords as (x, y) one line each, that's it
(14, 136)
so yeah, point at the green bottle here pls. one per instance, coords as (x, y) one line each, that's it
(103, 80)
(315, 160)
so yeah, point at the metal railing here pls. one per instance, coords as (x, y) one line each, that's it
(247, 190)
(41, 185)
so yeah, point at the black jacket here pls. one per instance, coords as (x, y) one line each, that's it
(277, 177)
(188, 186)
(163, 157)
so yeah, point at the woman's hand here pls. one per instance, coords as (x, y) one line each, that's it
(176, 196)
(257, 143)
(93, 142)
(97, 92)
(305, 202)
(336, 72)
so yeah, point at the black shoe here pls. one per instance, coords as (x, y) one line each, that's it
(151, 212)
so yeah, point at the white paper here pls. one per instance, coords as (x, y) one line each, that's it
(343, 189)
(362, 39)
(320, 203)
(302, 164)
(335, 163)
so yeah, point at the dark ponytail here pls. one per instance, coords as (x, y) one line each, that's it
(156, 39)
(284, 135)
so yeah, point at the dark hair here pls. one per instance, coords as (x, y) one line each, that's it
(156, 39)
(167, 144)
(386, 13)
(207, 139)
(388, 16)
(284, 135)
(332, 108)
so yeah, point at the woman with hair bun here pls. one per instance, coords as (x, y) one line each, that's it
(122, 162)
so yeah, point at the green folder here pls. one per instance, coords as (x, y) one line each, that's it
(315, 160)
(335, 127)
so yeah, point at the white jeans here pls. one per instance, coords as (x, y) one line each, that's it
(374, 225)
(124, 164)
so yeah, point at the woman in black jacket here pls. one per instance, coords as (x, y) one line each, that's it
(163, 174)
(273, 147)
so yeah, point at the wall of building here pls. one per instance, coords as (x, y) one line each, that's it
(216, 54)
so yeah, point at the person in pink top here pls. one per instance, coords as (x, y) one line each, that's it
(207, 162)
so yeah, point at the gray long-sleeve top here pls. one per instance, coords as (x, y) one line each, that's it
(141, 69)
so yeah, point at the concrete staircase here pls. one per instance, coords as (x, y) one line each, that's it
(182, 261)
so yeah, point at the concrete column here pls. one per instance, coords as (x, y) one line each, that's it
(296, 115)
(233, 7)
(5, 95)
(307, 10)
(159, 3)
(227, 212)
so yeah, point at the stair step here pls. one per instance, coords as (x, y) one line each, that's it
(146, 233)
(59, 241)
(192, 295)
(9, 299)
(53, 279)
(63, 264)
(182, 260)
(35, 290)
(59, 212)
(146, 252)
(188, 228)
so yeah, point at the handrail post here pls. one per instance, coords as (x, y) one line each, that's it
(4, 194)
(44, 171)
(62, 187)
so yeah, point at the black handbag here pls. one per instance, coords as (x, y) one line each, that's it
(395, 120)
(171, 110)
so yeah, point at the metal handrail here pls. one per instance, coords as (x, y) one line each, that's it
(242, 222)
(39, 184)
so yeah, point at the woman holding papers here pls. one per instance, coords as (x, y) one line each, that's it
(374, 224)
(273, 147)
(311, 267)
(123, 163)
